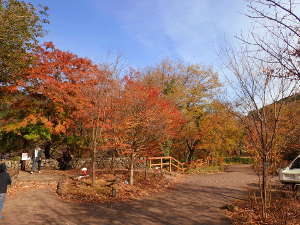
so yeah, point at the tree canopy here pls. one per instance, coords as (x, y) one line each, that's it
(21, 25)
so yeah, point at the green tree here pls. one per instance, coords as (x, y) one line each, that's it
(21, 25)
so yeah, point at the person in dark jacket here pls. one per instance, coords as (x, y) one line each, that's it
(5, 180)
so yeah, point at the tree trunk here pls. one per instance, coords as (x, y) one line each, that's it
(146, 169)
(131, 181)
(264, 186)
(112, 162)
(25, 144)
(48, 150)
(191, 148)
(93, 167)
(191, 154)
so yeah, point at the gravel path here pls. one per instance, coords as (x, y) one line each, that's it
(197, 199)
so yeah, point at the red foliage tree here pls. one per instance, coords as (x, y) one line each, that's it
(79, 91)
(145, 120)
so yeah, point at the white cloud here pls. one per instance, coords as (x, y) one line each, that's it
(197, 27)
(191, 30)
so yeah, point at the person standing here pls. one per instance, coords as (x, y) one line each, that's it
(5, 180)
(24, 160)
(36, 160)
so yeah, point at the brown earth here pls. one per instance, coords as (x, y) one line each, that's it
(195, 200)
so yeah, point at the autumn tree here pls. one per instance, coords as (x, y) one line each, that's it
(78, 92)
(222, 133)
(102, 96)
(260, 109)
(145, 120)
(191, 88)
(289, 130)
(21, 25)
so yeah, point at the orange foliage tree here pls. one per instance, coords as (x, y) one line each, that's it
(221, 133)
(290, 128)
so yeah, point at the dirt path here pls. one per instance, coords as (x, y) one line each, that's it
(195, 200)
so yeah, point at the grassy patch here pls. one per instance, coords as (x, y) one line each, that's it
(205, 169)
(238, 160)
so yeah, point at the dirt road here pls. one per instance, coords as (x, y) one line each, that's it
(196, 200)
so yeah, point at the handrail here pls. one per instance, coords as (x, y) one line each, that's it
(162, 157)
(177, 161)
(179, 166)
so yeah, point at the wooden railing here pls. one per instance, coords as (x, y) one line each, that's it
(166, 161)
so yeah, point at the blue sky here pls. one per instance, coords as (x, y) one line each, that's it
(145, 31)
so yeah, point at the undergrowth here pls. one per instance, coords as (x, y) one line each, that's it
(101, 192)
(283, 210)
(202, 166)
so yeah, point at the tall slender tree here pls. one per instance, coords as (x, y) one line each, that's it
(260, 109)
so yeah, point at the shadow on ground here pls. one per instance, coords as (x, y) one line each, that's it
(195, 201)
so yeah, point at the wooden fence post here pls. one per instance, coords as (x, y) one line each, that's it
(146, 169)
(170, 164)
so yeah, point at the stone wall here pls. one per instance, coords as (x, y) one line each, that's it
(79, 163)
(46, 163)
(120, 163)
(11, 164)
(50, 164)
(104, 163)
